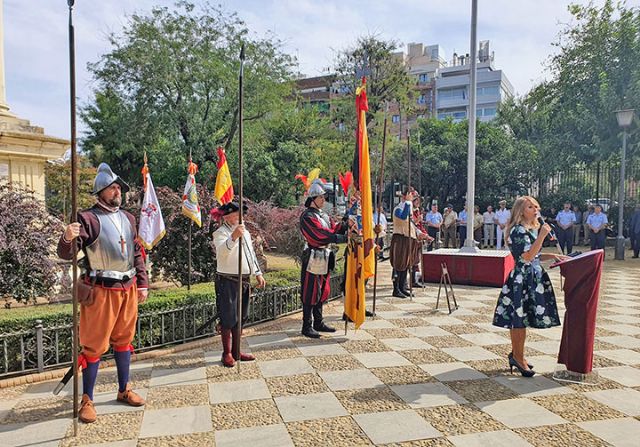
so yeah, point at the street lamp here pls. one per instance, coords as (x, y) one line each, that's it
(625, 117)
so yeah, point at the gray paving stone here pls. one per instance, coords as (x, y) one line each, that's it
(470, 353)
(520, 413)
(447, 372)
(236, 391)
(46, 433)
(265, 436)
(262, 341)
(353, 379)
(309, 406)
(395, 426)
(381, 359)
(625, 356)
(502, 438)
(286, 367)
(625, 400)
(178, 376)
(617, 432)
(533, 386)
(422, 395)
(176, 421)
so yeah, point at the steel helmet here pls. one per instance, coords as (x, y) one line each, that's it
(105, 177)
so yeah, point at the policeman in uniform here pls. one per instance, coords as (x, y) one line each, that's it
(597, 223)
(565, 220)
(113, 283)
(434, 222)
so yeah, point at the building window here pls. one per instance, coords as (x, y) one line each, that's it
(395, 119)
(456, 115)
(488, 91)
(454, 93)
(486, 112)
(422, 99)
(4, 171)
(423, 78)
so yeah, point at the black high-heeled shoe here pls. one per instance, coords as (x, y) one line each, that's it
(525, 372)
(528, 364)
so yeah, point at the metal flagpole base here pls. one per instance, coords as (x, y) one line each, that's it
(469, 249)
(562, 374)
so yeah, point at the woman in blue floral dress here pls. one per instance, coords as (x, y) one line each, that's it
(527, 298)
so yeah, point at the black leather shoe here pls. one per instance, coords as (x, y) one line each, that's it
(399, 294)
(310, 332)
(322, 327)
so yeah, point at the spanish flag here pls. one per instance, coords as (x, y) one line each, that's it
(190, 206)
(361, 261)
(224, 186)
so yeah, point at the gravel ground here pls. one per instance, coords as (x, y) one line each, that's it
(453, 420)
(219, 373)
(191, 440)
(107, 428)
(577, 408)
(370, 400)
(481, 390)
(462, 329)
(338, 432)
(389, 333)
(436, 442)
(402, 375)
(279, 353)
(251, 413)
(408, 322)
(108, 381)
(177, 396)
(422, 356)
(359, 346)
(563, 435)
(449, 341)
(292, 385)
(334, 362)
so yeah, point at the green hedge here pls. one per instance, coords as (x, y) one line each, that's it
(13, 320)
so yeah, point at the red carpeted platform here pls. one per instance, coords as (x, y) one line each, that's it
(485, 268)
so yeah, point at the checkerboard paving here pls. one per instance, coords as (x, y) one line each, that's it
(411, 376)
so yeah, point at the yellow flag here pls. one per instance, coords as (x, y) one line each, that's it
(224, 186)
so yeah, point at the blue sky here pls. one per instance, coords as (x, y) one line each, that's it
(35, 34)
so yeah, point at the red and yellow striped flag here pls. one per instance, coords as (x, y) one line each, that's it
(361, 261)
(224, 186)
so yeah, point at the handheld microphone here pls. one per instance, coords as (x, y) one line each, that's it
(552, 235)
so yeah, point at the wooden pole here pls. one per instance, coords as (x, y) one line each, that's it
(379, 205)
(189, 245)
(74, 212)
(238, 328)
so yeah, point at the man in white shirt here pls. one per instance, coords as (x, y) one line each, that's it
(502, 217)
(489, 227)
(226, 240)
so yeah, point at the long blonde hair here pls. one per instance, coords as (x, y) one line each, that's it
(517, 214)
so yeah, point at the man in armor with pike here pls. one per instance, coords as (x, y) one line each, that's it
(114, 282)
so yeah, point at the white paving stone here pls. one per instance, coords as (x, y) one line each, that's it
(427, 331)
(106, 403)
(617, 432)
(395, 426)
(176, 421)
(625, 400)
(624, 375)
(351, 334)
(629, 319)
(263, 341)
(285, 367)
(470, 353)
(543, 364)
(447, 372)
(378, 323)
(550, 347)
(309, 406)
(444, 321)
(533, 386)
(47, 433)
(485, 339)
(263, 436)
(406, 344)
(624, 329)
(624, 341)
(626, 356)
(502, 438)
(352, 379)
(422, 395)
(236, 391)
(520, 413)
(178, 376)
(381, 359)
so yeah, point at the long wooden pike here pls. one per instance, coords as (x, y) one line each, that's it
(74, 212)
(379, 204)
(238, 334)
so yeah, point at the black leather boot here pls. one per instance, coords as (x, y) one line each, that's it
(318, 321)
(403, 283)
(307, 328)
(398, 284)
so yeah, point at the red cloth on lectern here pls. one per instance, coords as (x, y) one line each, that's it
(581, 288)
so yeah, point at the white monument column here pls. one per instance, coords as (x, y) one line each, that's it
(4, 108)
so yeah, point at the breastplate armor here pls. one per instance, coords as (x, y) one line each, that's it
(106, 253)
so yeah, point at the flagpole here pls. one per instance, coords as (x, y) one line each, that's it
(190, 233)
(74, 212)
(409, 154)
(238, 335)
(379, 204)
